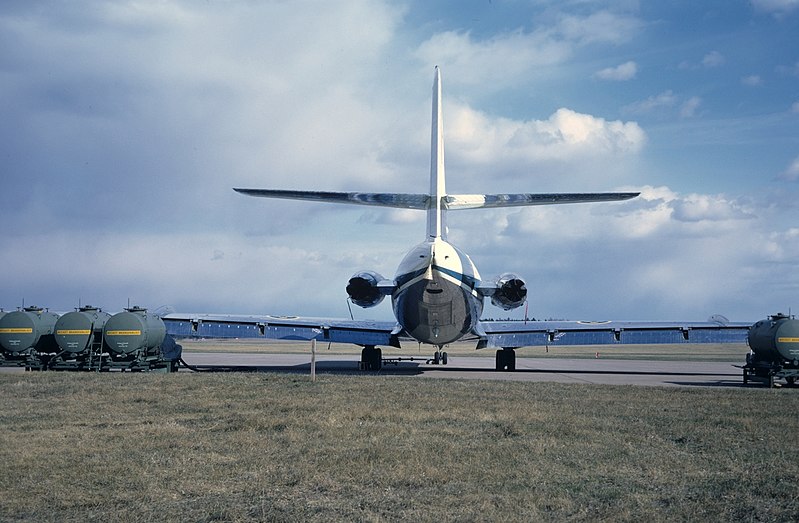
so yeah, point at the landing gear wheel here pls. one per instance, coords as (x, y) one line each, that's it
(506, 360)
(444, 358)
(371, 358)
(436, 358)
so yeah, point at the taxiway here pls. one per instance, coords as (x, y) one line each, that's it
(562, 370)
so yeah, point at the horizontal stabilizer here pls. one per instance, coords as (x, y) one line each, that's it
(477, 201)
(402, 201)
(452, 201)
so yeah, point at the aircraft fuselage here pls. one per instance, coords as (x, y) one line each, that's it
(436, 298)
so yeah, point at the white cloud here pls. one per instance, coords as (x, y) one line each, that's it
(688, 255)
(625, 71)
(791, 174)
(598, 27)
(690, 106)
(752, 80)
(709, 60)
(777, 7)
(789, 69)
(703, 207)
(126, 124)
(502, 58)
(713, 59)
(664, 99)
(566, 133)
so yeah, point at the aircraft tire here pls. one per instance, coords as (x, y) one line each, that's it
(500, 366)
(510, 360)
(506, 360)
(372, 358)
(444, 358)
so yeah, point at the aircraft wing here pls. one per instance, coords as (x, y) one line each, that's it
(512, 334)
(477, 201)
(399, 200)
(189, 325)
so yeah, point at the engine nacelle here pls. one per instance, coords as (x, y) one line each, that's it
(363, 290)
(511, 292)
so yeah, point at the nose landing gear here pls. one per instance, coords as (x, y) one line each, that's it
(439, 358)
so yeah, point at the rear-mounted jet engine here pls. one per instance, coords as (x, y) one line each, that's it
(511, 292)
(363, 289)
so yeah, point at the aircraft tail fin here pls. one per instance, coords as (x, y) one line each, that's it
(435, 213)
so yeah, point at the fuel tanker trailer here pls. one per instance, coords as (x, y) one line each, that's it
(137, 340)
(774, 344)
(79, 335)
(26, 337)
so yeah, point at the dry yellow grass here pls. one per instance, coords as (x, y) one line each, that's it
(258, 447)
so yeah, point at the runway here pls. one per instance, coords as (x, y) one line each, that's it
(597, 371)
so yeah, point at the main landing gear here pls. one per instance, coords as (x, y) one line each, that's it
(506, 359)
(371, 358)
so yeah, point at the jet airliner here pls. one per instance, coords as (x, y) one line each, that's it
(437, 292)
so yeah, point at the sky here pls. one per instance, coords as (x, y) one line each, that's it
(124, 126)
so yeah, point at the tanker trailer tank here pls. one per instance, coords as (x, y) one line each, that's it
(26, 337)
(79, 335)
(774, 344)
(134, 338)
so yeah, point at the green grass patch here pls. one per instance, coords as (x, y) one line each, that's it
(239, 447)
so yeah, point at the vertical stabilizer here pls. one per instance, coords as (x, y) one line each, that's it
(435, 213)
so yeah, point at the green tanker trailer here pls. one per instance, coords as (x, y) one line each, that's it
(774, 344)
(26, 337)
(137, 340)
(79, 335)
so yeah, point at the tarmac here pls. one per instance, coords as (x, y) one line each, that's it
(596, 371)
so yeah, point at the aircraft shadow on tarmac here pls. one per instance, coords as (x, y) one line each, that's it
(416, 368)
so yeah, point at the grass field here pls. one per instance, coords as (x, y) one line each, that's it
(249, 447)
(679, 352)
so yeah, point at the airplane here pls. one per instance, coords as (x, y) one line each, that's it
(437, 293)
